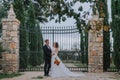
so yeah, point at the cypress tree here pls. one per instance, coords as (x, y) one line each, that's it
(32, 35)
(39, 45)
(20, 14)
(116, 33)
(35, 38)
(3, 12)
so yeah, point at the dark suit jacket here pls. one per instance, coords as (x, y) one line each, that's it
(47, 52)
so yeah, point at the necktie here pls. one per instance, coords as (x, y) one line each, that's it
(48, 47)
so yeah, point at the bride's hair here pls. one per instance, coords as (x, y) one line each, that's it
(56, 45)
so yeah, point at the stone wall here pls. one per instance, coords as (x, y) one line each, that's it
(95, 45)
(10, 37)
(10, 63)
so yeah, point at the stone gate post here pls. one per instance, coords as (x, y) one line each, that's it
(95, 44)
(10, 37)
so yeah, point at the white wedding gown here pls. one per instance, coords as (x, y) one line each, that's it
(61, 70)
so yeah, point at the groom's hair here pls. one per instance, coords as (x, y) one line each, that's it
(46, 40)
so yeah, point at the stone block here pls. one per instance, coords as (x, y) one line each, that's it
(101, 50)
(7, 57)
(101, 60)
(91, 44)
(4, 33)
(6, 38)
(15, 27)
(97, 60)
(5, 27)
(97, 44)
(99, 39)
(15, 39)
(17, 51)
(14, 33)
(93, 53)
(13, 45)
(100, 53)
(8, 34)
(14, 57)
(9, 27)
(91, 60)
(101, 44)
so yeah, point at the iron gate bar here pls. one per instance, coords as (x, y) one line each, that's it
(50, 31)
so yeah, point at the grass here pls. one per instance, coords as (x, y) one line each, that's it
(38, 77)
(112, 65)
(9, 75)
(80, 65)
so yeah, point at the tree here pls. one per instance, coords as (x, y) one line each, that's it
(116, 33)
(39, 45)
(3, 11)
(20, 14)
(30, 37)
(33, 59)
(1, 51)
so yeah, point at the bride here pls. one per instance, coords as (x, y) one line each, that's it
(58, 69)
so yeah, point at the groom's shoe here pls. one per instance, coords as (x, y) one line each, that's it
(47, 75)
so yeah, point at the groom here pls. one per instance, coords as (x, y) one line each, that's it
(47, 57)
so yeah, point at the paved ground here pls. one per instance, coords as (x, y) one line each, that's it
(88, 76)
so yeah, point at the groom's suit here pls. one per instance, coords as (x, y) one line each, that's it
(47, 58)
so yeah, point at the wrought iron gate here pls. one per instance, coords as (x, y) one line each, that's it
(68, 38)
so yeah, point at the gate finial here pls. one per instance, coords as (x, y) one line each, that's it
(11, 13)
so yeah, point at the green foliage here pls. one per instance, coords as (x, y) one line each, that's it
(80, 8)
(3, 12)
(30, 35)
(116, 33)
(38, 77)
(79, 65)
(9, 75)
(20, 13)
(1, 50)
(34, 38)
(19, 10)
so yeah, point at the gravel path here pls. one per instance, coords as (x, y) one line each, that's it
(88, 76)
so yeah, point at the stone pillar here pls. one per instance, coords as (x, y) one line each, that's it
(10, 36)
(95, 45)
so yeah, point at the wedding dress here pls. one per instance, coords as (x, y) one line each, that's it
(60, 70)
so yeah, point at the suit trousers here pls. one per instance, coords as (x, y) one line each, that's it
(47, 66)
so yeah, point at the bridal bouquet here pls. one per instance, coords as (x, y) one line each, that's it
(57, 62)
